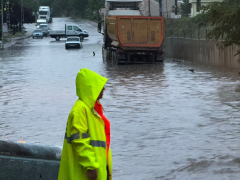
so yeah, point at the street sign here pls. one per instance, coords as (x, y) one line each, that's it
(5, 28)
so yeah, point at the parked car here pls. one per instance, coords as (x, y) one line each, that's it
(37, 33)
(73, 42)
(45, 29)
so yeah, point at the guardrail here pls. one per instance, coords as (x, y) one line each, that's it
(21, 161)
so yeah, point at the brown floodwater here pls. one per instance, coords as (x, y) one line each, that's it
(166, 121)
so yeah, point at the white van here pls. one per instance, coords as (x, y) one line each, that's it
(41, 21)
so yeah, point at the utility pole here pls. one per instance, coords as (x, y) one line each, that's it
(2, 22)
(8, 14)
(160, 7)
(22, 13)
(166, 9)
(149, 9)
(176, 8)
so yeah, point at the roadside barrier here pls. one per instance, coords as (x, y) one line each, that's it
(22, 161)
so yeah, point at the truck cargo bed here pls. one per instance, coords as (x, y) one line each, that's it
(136, 31)
(58, 32)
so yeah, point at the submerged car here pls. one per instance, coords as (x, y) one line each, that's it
(73, 42)
(45, 29)
(37, 33)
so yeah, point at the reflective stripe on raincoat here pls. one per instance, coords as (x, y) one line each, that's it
(84, 146)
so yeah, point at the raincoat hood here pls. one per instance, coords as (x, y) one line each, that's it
(88, 86)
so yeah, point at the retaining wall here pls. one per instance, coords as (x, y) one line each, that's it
(20, 161)
(201, 51)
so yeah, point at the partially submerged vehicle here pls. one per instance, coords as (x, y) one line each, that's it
(40, 21)
(73, 42)
(37, 33)
(45, 29)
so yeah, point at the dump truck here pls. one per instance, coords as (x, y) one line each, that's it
(129, 35)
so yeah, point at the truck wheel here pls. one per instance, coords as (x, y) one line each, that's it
(154, 57)
(116, 56)
(57, 38)
(108, 54)
(113, 56)
(104, 54)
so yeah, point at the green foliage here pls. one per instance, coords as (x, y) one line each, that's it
(173, 9)
(93, 8)
(224, 18)
(200, 20)
(83, 8)
(195, 27)
(184, 22)
(185, 8)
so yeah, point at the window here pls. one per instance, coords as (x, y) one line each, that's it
(76, 28)
(43, 12)
(69, 27)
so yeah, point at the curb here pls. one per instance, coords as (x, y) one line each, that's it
(24, 37)
(14, 43)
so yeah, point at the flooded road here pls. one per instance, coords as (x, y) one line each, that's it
(166, 122)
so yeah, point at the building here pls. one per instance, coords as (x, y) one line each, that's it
(154, 8)
(167, 8)
(203, 3)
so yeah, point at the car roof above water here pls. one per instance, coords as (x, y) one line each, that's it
(73, 38)
(37, 30)
(45, 25)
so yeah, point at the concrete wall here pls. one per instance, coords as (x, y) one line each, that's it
(201, 51)
(20, 161)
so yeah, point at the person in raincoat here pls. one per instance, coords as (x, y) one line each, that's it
(86, 154)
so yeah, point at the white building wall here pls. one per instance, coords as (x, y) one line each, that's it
(203, 3)
(154, 8)
(167, 8)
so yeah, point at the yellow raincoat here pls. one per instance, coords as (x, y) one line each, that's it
(84, 146)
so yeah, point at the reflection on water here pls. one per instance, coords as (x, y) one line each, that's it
(166, 122)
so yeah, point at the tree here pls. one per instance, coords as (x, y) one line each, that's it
(224, 18)
(185, 8)
(15, 12)
(93, 8)
(173, 9)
